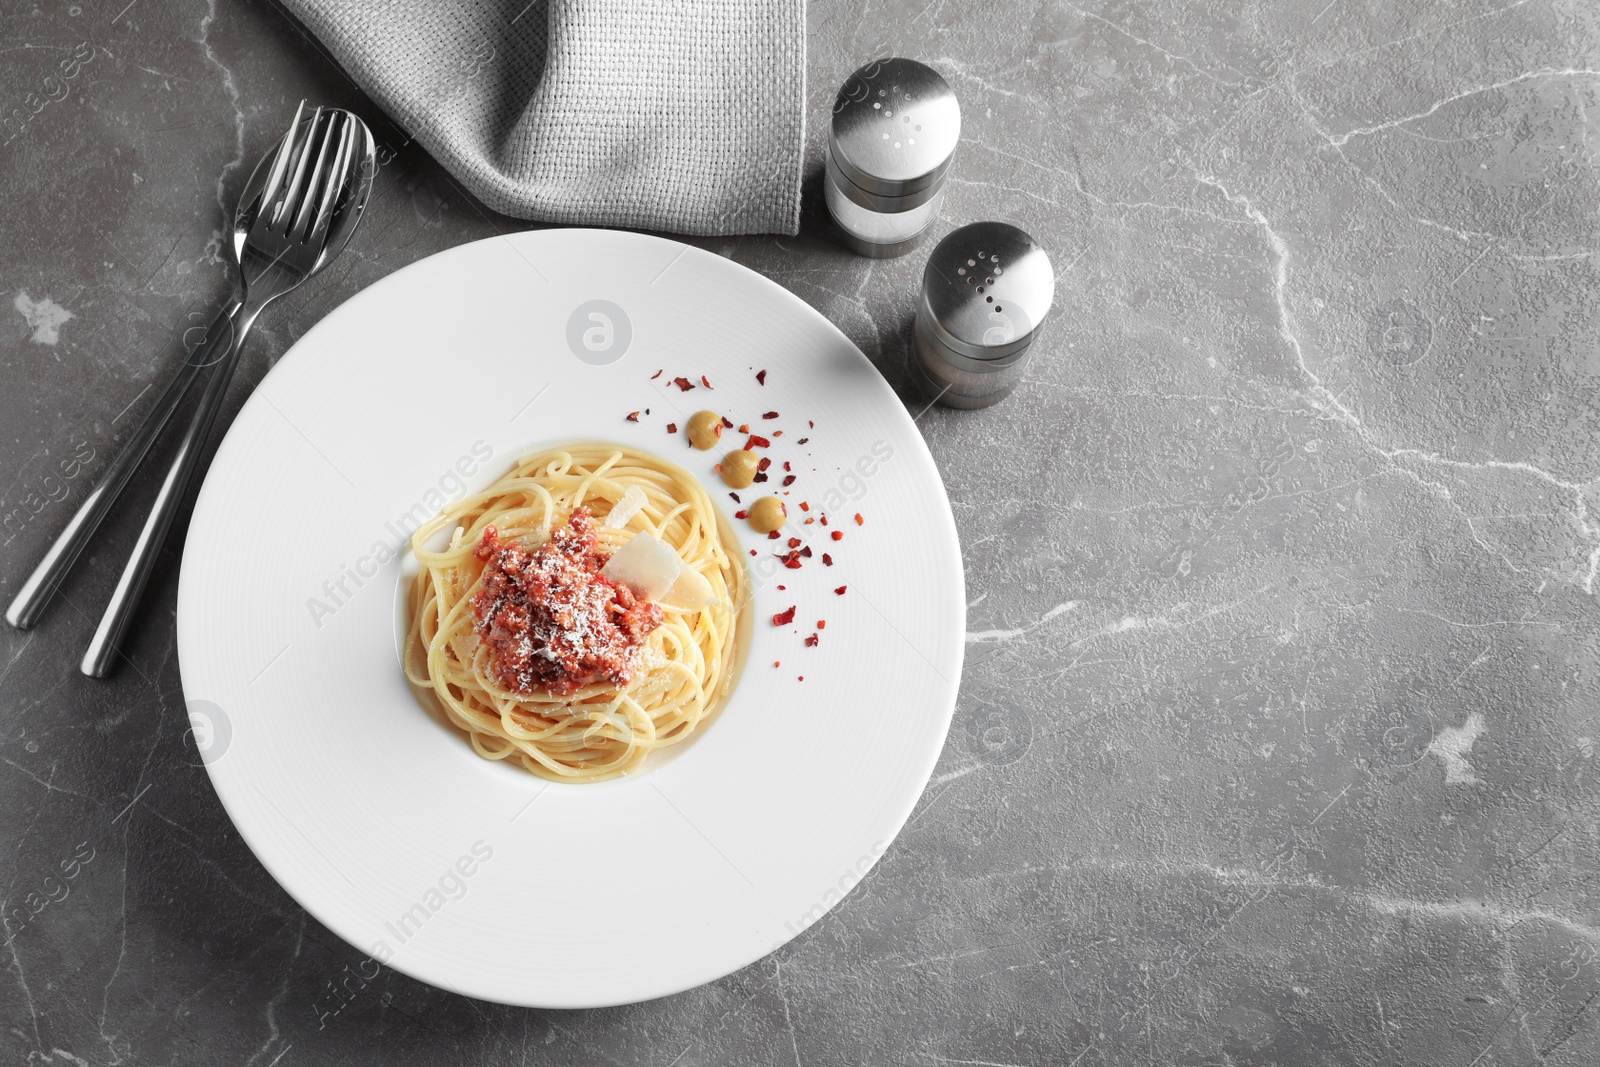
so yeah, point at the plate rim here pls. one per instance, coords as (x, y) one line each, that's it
(693, 977)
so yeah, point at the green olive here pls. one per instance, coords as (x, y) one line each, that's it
(739, 468)
(705, 429)
(768, 514)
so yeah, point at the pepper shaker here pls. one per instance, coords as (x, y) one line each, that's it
(985, 292)
(895, 126)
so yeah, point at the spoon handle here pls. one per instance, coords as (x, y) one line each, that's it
(102, 652)
(36, 591)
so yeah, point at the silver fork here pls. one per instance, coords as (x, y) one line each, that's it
(294, 216)
(304, 216)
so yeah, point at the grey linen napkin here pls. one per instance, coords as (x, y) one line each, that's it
(682, 115)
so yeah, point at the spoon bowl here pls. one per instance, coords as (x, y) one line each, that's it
(297, 212)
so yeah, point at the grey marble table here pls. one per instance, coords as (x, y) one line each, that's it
(1277, 736)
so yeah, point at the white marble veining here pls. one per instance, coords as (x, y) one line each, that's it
(1276, 742)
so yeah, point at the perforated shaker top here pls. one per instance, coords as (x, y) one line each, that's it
(895, 126)
(986, 289)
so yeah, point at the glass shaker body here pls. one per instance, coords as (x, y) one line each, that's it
(894, 129)
(880, 234)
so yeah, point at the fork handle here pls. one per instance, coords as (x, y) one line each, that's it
(40, 586)
(102, 652)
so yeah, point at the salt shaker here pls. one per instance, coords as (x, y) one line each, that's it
(985, 292)
(895, 126)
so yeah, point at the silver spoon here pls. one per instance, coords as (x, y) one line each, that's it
(296, 213)
(291, 224)
(294, 217)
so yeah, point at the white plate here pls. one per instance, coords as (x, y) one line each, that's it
(367, 810)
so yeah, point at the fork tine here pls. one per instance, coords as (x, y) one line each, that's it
(291, 198)
(320, 174)
(299, 163)
(337, 176)
(302, 137)
(280, 163)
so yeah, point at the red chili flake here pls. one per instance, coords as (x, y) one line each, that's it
(858, 519)
(808, 522)
(811, 642)
(802, 440)
(822, 624)
(794, 542)
(763, 463)
(633, 416)
(752, 551)
(783, 618)
(824, 519)
(770, 415)
(727, 423)
(741, 514)
(782, 588)
(788, 479)
(804, 506)
(838, 535)
(657, 374)
(761, 376)
(772, 535)
(777, 433)
(786, 465)
(792, 564)
(806, 552)
(683, 383)
(757, 441)
(841, 590)
(735, 496)
(761, 476)
(827, 560)
(744, 427)
(802, 678)
(811, 424)
(704, 381)
(777, 663)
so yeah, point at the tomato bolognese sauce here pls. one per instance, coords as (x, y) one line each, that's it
(551, 620)
(578, 614)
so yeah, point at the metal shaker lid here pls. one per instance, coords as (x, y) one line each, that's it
(986, 290)
(895, 126)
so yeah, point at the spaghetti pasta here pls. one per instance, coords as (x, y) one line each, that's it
(685, 668)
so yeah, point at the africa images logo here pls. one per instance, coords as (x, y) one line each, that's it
(599, 332)
(450, 486)
(1399, 333)
(209, 734)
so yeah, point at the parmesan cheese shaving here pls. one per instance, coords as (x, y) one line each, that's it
(690, 592)
(646, 564)
(625, 509)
